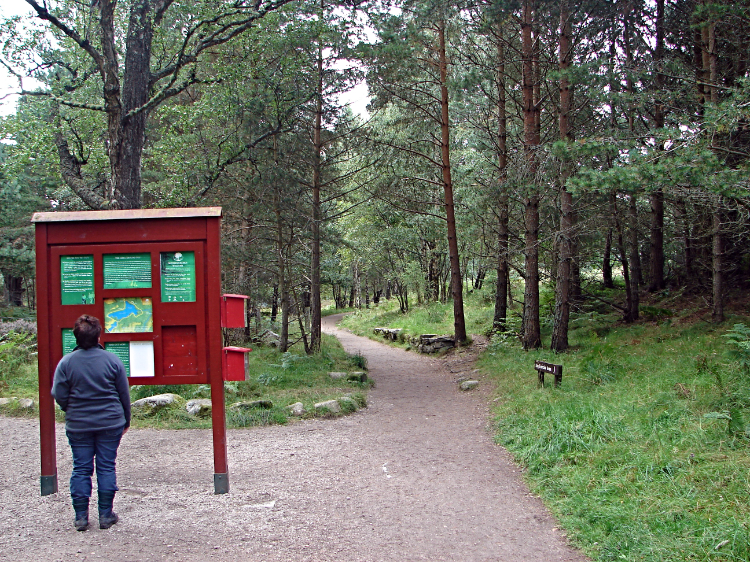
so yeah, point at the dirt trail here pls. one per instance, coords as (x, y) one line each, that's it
(415, 476)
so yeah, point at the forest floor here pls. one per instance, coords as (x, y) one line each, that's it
(415, 476)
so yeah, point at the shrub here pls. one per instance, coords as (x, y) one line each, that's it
(16, 349)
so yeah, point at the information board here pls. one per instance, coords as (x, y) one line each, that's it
(77, 279)
(127, 271)
(68, 341)
(128, 315)
(122, 350)
(178, 276)
(153, 278)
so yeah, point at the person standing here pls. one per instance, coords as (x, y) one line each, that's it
(91, 387)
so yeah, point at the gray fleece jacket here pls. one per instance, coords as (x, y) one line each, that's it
(91, 387)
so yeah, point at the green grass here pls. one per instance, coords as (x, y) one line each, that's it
(633, 453)
(282, 379)
(433, 318)
(643, 453)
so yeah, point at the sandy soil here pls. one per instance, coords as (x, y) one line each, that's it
(415, 476)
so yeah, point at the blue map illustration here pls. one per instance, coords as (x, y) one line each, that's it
(128, 315)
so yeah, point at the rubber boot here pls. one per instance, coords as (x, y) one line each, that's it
(81, 507)
(107, 517)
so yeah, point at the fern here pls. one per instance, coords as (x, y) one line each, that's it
(739, 338)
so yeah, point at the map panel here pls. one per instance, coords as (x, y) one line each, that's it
(128, 315)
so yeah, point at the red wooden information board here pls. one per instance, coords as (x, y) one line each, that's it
(153, 277)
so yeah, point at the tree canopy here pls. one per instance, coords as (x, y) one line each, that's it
(549, 146)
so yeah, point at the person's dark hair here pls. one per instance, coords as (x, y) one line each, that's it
(87, 331)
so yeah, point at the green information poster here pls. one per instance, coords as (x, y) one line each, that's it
(77, 279)
(178, 276)
(68, 341)
(122, 350)
(127, 315)
(127, 271)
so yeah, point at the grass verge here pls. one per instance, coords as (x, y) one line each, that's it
(280, 379)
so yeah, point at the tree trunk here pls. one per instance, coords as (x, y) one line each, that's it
(501, 288)
(315, 305)
(532, 338)
(656, 198)
(717, 255)
(717, 242)
(621, 249)
(432, 292)
(459, 322)
(275, 302)
(656, 254)
(283, 284)
(607, 279)
(559, 341)
(127, 132)
(13, 289)
(635, 261)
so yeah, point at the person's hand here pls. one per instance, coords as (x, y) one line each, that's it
(124, 431)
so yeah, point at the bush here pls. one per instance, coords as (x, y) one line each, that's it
(16, 350)
(20, 326)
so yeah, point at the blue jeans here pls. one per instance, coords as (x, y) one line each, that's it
(86, 446)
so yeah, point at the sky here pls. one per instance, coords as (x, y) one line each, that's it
(8, 83)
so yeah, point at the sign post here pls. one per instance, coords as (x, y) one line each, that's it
(153, 278)
(544, 367)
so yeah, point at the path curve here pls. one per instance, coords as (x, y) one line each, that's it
(415, 476)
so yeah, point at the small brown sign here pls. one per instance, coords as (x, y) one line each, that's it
(544, 367)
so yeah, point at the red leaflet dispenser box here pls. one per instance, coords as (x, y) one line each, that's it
(233, 311)
(234, 365)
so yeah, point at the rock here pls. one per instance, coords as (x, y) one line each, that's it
(388, 333)
(23, 403)
(270, 338)
(337, 375)
(296, 409)
(430, 343)
(158, 402)
(332, 406)
(350, 402)
(254, 405)
(199, 407)
(469, 385)
(357, 376)
(26, 403)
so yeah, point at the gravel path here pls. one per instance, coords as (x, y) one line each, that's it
(415, 476)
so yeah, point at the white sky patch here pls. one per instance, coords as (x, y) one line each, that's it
(8, 82)
(357, 98)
